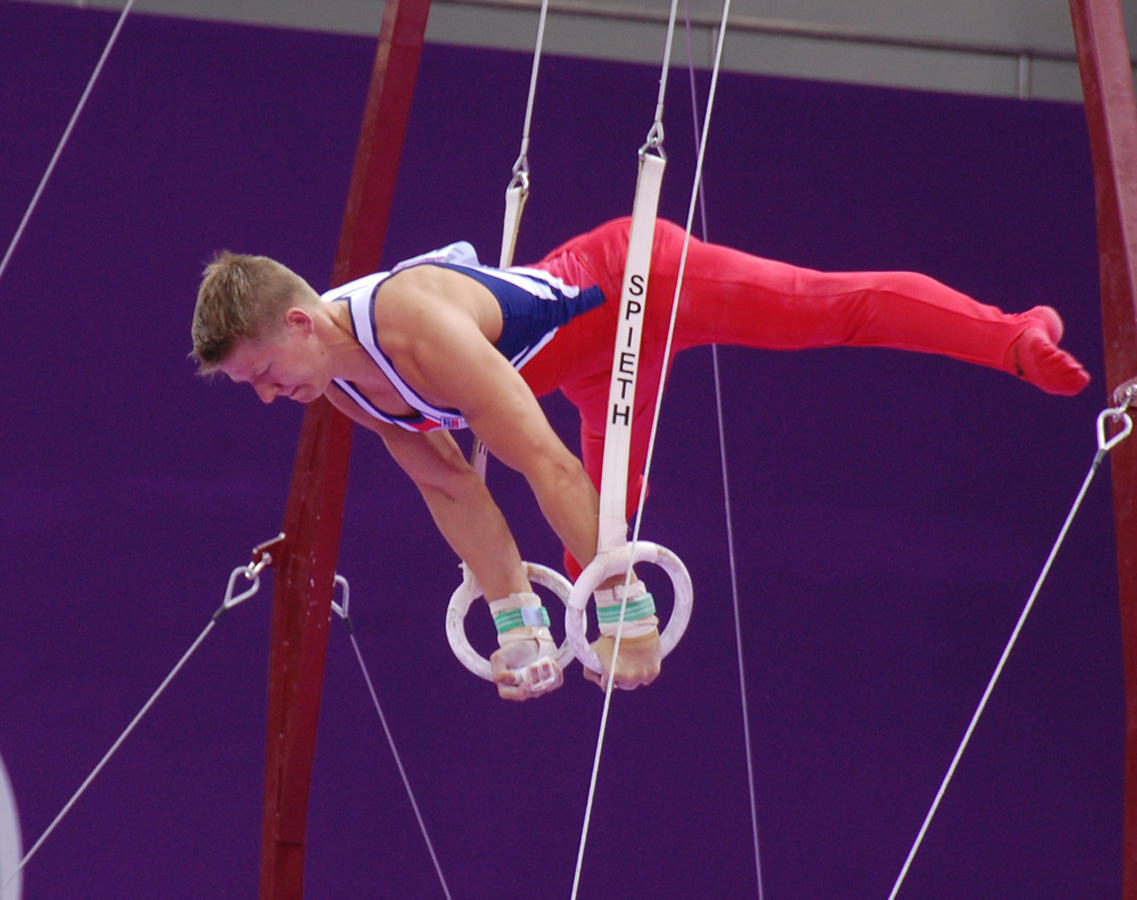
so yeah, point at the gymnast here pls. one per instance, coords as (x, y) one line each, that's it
(441, 343)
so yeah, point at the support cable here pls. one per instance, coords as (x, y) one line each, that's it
(655, 138)
(682, 267)
(521, 167)
(516, 193)
(252, 573)
(1120, 417)
(654, 143)
(727, 510)
(341, 609)
(63, 140)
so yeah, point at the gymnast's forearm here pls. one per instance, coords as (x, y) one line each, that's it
(569, 503)
(476, 530)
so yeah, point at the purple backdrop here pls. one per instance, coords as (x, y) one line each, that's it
(891, 511)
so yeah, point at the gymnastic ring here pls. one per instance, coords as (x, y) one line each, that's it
(468, 591)
(615, 562)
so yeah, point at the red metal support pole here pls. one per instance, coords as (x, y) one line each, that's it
(306, 558)
(1111, 115)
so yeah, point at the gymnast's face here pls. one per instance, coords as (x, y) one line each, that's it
(291, 362)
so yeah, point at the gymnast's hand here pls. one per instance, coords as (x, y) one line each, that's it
(526, 666)
(637, 665)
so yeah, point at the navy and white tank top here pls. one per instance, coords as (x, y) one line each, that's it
(534, 304)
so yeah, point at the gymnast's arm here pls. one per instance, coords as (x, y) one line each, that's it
(459, 503)
(439, 349)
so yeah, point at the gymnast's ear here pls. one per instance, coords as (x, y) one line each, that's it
(299, 318)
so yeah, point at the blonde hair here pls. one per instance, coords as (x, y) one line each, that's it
(241, 297)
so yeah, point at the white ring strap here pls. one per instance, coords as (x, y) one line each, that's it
(659, 398)
(626, 355)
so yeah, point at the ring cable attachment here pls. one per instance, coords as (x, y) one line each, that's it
(614, 554)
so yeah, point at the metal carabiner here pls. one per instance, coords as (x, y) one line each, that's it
(252, 570)
(340, 609)
(1125, 394)
(261, 559)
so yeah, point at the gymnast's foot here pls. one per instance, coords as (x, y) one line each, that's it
(1035, 357)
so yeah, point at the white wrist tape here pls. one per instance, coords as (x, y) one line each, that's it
(521, 617)
(639, 614)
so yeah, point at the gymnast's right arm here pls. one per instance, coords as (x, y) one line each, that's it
(457, 498)
(461, 506)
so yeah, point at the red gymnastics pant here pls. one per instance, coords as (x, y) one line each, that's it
(731, 297)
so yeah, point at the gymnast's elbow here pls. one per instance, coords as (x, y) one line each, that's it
(456, 484)
(558, 474)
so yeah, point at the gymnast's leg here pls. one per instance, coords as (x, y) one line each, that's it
(731, 297)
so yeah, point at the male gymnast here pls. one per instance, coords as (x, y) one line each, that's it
(441, 343)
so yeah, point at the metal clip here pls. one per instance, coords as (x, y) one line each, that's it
(262, 554)
(1117, 415)
(654, 141)
(261, 559)
(1125, 394)
(340, 609)
(520, 175)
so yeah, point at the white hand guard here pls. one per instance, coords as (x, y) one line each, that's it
(527, 645)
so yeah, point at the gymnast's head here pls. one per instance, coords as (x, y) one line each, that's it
(252, 322)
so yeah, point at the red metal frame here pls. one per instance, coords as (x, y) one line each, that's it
(1111, 115)
(306, 557)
